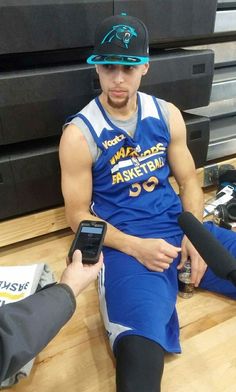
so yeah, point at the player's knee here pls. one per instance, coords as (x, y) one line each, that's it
(139, 364)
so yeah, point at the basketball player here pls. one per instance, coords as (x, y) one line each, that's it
(116, 156)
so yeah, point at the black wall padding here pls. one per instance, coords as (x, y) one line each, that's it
(171, 20)
(43, 25)
(222, 137)
(183, 77)
(39, 25)
(29, 180)
(198, 134)
(8, 201)
(224, 4)
(35, 104)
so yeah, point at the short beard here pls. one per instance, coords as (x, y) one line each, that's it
(117, 105)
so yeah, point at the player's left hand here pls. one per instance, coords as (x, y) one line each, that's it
(198, 265)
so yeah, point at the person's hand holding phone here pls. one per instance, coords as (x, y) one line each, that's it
(78, 275)
(89, 239)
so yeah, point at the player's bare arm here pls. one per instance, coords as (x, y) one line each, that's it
(182, 165)
(183, 168)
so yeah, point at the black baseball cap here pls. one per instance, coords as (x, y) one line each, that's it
(120, 39)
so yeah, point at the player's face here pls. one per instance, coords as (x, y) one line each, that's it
(119, 83)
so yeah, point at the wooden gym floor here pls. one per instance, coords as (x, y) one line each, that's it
(79, 358)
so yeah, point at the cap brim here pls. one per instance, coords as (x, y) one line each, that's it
(117, 59)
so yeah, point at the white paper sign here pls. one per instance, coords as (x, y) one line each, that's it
(18, 282)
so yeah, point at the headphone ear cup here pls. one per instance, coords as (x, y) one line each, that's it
(231, 211)
(222, 212)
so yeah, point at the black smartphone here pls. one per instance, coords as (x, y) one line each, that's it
(89, 239)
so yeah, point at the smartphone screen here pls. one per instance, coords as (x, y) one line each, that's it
(89, 239)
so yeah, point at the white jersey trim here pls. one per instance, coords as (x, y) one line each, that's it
(93, 111)
(148, 107)
(113, 329)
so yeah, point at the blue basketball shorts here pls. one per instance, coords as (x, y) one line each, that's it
(136, 301)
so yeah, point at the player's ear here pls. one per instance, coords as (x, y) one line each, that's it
(145, 68)
(96, 67)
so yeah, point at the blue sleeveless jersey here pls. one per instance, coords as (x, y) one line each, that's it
(130, 178)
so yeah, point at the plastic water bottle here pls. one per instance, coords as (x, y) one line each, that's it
(186, 288)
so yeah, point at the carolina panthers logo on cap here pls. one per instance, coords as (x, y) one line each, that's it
(122, 33)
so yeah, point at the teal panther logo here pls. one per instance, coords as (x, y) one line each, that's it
(122, 33)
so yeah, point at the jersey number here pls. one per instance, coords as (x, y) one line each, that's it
(148, 186)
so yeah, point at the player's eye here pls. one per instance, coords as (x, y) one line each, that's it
(128, 68)
(108, 66)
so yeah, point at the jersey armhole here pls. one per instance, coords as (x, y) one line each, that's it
(163, 111)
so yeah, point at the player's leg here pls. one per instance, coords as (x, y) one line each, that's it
(139, 364)
(136, 301)
(138, 309)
